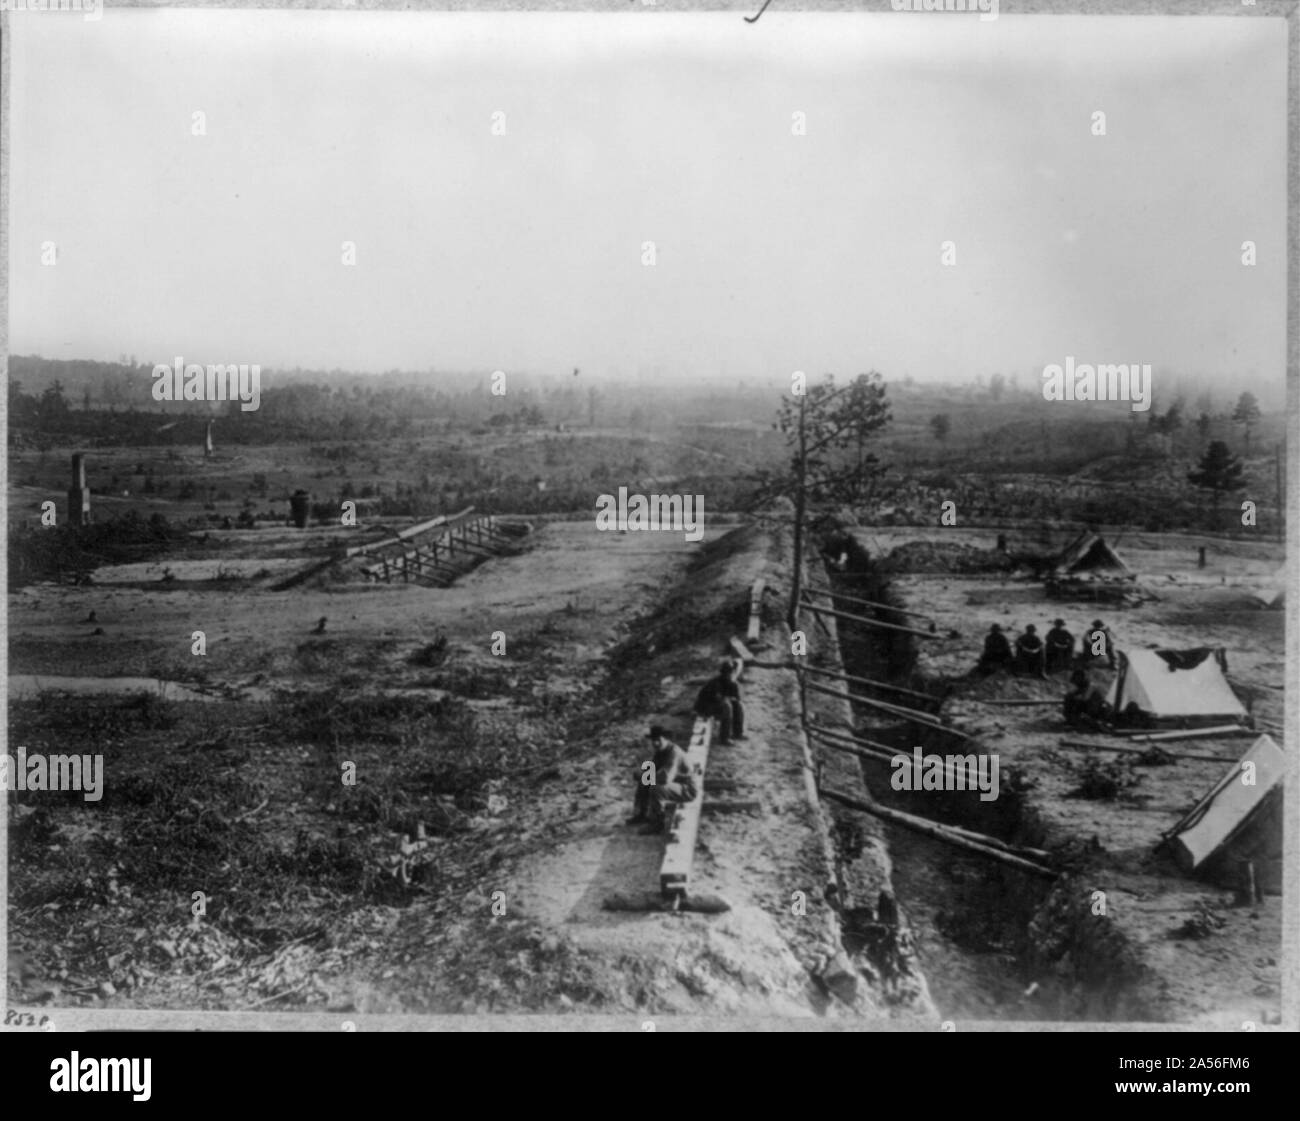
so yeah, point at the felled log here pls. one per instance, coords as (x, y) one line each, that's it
(867, 622)
(1189, 733)
(869, 681)
(1131, 750)
(963, 839)
(911, 714)
(870, 603)
(978, 701)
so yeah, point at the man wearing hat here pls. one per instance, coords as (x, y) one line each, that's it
(664, 777)
(1060, 647)
(1100, 642)
(997, 651)
(1030, 652)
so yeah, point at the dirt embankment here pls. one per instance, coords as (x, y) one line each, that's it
(519, 766)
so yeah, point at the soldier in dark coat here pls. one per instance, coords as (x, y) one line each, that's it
(1031, 653)
(1060, 647)
(720, 699)
(997, 651)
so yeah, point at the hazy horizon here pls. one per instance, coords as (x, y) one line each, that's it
(775, 252)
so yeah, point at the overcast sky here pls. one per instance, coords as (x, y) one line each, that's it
(775, 252)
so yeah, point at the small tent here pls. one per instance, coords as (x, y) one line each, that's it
(1181, 688)
(1272, 593)
(1237, 821)
(1089, 553)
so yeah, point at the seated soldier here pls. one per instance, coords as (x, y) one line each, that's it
(1060, 647)
(1031, 653)
(1100, 643)
(669, 781)
(997, 651)
(647, 774)
(1086, 706)
(720, 699)
(1074, 703)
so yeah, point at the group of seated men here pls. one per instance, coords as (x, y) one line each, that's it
(1035, 655)
(666, 777)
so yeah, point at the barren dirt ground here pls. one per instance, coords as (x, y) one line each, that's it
(551, 836)
(1224, 979)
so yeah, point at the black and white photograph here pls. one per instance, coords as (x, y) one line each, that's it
(633, 517)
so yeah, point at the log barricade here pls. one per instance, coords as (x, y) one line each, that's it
(682, 820)
(432, 545)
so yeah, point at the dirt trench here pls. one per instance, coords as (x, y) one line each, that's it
(994, 942)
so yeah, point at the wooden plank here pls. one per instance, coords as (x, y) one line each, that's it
(868, 622)
(1026, 704)
(684, 824)
(744, 657)
(734, 807)
(1129, 749)
(400, 535)
(755, 610)
(1189, 734)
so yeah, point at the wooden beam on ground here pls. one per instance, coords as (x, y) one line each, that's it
(882, 753)
(897, 710)
(1129, 749)
(978, 701)
(1189, 734)
(755, 610)
(684, 819)
(477, 550)
(943, 833)
(651, 901)
(734, 807)
(868, 622)
(423, 527)
(446, 520)
(742, 651)
(871, 603)
(873, 684)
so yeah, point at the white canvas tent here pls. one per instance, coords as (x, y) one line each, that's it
(1180, 687)
(1238, 821)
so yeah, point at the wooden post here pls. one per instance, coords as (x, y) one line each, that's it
(800, 507)
(1249, 888)
(1281, 504)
